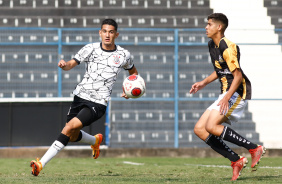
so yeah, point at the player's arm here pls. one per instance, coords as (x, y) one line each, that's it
(133, 71)
(67, 65)
(200, 85)
(238, 77)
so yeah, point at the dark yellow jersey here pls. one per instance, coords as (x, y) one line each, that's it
(225, 59)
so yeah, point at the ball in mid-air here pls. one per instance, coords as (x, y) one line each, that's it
(134, 86)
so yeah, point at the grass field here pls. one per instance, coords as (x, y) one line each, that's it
(138, 170)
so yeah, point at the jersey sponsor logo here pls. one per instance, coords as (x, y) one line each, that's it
(225, 72)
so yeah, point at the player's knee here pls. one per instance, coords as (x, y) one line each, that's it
(70, 129)
(210, 128)
(198, 130)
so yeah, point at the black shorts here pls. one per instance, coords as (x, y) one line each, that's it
(97, 110)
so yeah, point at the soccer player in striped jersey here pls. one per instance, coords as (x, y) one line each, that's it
(230, 105)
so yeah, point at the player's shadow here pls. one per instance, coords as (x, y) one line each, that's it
(261, 178)
(265, 179)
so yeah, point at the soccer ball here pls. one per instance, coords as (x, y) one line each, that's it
(134, 86)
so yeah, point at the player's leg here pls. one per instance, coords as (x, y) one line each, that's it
(70, 130)
(69, 133)
(233, 115)
(214, 127)
(213, 141)
(256, 151)
(87, 116)
(199, 128)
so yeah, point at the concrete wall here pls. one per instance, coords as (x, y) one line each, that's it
(126, 153)
(36, 123)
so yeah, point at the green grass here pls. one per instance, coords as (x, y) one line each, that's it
(152, 170)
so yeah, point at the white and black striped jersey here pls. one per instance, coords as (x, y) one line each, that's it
(102, 68)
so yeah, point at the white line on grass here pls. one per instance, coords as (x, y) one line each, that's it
(267, 167)
(132, 163)
(224, 166)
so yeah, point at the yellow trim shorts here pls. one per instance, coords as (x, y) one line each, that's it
(236, 107)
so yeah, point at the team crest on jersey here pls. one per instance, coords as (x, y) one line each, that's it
(116, 59)
(220, 59)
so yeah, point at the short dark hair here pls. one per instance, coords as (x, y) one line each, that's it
(110, 22)
(221, 18)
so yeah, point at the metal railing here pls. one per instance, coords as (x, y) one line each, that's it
(60, 38)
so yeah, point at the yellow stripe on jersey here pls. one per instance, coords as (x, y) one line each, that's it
(224, 84)
(230, 55)
(217, 64)
(233, 106)
(244, 88)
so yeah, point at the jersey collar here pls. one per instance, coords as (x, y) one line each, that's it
(108, 50)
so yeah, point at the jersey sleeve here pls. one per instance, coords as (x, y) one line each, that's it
(129, 61)
(83, 54)
(230, 55)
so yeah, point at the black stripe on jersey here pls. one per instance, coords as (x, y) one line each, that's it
(78, 62)
(130, 68)
(223, 46)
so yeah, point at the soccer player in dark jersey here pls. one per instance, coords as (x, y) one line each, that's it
(228, 108)
(104, 60)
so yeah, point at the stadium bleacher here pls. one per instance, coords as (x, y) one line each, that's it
(128, 13)
(152, 124)
(274, 8)
(165, 21)
(132, 123)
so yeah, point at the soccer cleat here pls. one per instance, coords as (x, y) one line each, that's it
(238, 166)
(96, 146)
(256, 154)
(36, 167)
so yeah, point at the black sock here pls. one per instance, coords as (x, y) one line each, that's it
(220, 147)
(63, 139)
(79, 137)
(231, 136)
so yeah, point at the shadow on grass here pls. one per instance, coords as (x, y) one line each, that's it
(261, 178)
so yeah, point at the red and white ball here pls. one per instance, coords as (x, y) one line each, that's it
(134, 86)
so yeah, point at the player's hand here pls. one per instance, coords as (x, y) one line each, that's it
(196, 87)
(62, 64)
(124, 95)
(224, 106)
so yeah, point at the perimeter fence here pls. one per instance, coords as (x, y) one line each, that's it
(170, 61)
